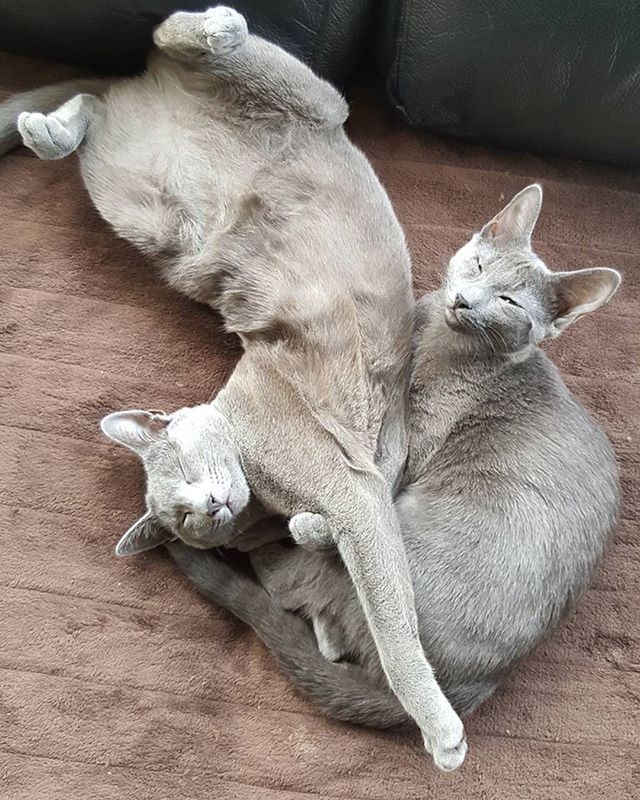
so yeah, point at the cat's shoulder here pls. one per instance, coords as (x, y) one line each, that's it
(537, 373)
(538, 384)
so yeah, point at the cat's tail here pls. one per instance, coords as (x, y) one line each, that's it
(341, 691)
(45, 99)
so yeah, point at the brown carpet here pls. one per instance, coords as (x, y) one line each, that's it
(116, 680)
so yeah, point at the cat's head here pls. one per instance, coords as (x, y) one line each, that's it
(195, 482)
(500, 293)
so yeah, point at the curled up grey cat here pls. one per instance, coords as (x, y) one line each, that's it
(509, 497)
(228, 162)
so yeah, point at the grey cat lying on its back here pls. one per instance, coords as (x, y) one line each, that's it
(510, 493)
(227, 161)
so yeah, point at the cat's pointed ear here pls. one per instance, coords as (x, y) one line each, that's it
(145, 534)
(135, 429)
(577, 293)
(515, 223)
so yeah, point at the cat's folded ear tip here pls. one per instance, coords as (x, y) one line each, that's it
(535, 188)
(122, 548)
(104, 424)
(610, 276)
(616, 276)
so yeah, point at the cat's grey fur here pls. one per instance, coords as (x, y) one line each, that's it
(510, 493)
(227, 159)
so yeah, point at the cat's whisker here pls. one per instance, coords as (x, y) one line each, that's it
(479, 329)
(488, 340)
(495, 332)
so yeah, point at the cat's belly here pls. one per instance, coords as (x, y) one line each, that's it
(270, 211)
(164, 174)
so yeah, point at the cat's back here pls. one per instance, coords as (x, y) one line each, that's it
(507, 522)
(543, 429)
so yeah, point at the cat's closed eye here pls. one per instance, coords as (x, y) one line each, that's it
(185, 519)
(509, 300)
(479, 265)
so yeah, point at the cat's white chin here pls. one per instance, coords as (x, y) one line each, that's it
(217, 538)
(452, 320)
(199, 544)
(223, 516)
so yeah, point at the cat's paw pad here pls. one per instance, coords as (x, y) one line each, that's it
(447, 743)
(311, 531)
(46, 135)
(225, 30)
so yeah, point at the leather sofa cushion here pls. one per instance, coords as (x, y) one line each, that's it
(560, 76)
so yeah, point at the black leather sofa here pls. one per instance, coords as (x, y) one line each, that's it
(560, 76)
(115, 35)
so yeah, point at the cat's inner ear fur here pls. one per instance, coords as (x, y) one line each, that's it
(135, 429)
(579, 292)
(145, 534)
(515, 223)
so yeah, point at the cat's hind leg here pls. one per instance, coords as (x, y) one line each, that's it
(329, 637)
(58, 134)
(265, 79)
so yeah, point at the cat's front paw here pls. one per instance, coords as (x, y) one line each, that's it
(446, 740)
(46, 135)
(311, 531)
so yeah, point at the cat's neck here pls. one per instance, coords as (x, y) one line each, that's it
(453, 375)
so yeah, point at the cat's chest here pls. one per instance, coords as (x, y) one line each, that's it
(438, 403)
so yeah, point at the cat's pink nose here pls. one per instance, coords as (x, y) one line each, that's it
(213, 505)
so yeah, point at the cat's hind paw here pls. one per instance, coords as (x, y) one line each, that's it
(311, 531)
(328, 638)
(218, 30)
(225, 29)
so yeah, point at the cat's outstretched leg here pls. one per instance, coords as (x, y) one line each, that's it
(261, 74)
(58, 134)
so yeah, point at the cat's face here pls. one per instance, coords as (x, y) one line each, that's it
(500, 293)
(195, 482)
